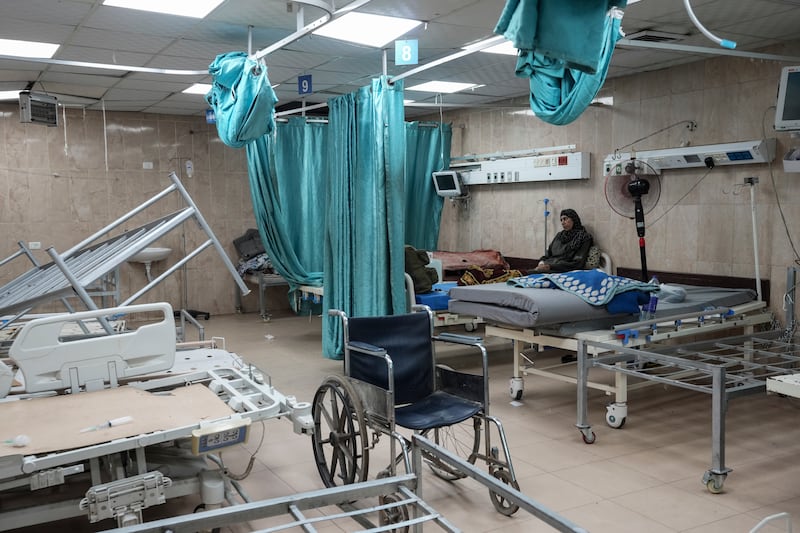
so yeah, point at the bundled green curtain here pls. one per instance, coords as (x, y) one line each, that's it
(288, 176)
(565, 48)
(427, 150)
(364, 256)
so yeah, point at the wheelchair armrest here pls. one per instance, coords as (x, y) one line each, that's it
(366, 348)
(458, 339)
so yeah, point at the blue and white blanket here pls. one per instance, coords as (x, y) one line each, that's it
(595, 287)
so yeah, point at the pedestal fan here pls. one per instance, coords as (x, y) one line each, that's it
(633, 195)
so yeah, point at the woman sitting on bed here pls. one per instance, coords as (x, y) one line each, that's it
(569, 248)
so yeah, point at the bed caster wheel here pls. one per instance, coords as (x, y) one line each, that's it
(588, 436)
(470, 326)
(616, 415)
(516, 386)
(713, 482)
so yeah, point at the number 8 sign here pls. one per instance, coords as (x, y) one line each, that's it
(406, 52)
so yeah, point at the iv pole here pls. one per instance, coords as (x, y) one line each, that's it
(752, 183)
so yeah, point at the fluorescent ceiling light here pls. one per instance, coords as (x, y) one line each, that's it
(504, 48)
(9, 95)
(363, 28)
(442, 87)
(186, 8)
(10, 47)
(198, 88)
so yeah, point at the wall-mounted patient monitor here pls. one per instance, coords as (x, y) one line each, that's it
(448, 184)
(787, 110)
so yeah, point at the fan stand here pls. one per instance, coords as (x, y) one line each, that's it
(637, 188)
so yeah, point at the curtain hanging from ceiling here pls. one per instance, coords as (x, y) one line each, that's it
(565, 48)
(242, 98)
(427, 150)
(364, 254)
(288, 174)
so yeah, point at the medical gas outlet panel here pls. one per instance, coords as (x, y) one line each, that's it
(566, 166)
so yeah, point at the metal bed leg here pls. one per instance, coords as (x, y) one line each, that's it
(714, 478)
(583, 388)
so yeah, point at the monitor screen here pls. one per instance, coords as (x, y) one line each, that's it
(447, 183)
(787, 112)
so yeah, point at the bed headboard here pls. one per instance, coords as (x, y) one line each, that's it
(698, 279)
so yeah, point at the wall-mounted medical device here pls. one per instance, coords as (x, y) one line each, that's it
(787, 110)
(38, 108)
(710, 155)
(557, 166)
(448, 184)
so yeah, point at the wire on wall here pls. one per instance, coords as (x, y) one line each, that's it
(690, 124)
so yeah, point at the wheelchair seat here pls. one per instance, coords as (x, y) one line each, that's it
(436, 410)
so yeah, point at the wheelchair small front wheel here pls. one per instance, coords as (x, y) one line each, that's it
(501, 504)
(393, 514)
(340, 433)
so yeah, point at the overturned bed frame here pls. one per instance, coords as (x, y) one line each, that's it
(75, 271)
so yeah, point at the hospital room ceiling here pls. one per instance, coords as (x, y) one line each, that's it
(90, 32)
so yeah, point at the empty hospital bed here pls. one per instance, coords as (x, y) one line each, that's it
(107, 425)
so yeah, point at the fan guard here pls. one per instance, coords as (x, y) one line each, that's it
(621, 200)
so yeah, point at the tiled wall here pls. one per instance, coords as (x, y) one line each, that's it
(703, 227)
(60, 185)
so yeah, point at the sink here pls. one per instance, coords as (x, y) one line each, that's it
(150, 255)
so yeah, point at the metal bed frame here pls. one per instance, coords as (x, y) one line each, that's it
(91, 261)
(639, 333)
(724, 368)
(401, 505)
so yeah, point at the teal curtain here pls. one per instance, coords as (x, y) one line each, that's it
(288, 176)
(364, 256)
(427, 150)
(565, 48)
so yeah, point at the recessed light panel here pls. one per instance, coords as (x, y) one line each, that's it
(441, 87)
(185, 8)
(11, 47)
(504, 48)
(198, 88)
(370, 30)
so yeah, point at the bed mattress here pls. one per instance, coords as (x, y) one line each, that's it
(527, 308)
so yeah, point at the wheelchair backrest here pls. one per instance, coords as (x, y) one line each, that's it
(407, 340)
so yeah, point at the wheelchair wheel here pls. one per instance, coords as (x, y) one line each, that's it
(463, 440)
(502, 505)
(394, 515)
(339, 438)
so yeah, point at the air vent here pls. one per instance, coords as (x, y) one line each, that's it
(655, 36)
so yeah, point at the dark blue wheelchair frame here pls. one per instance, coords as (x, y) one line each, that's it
(391, 379)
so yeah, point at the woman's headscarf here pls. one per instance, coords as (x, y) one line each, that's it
(573, 239)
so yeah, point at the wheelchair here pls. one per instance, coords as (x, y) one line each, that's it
(391, 379)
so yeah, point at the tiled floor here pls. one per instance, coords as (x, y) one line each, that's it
(645, 477)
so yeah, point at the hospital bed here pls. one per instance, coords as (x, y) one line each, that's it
(547, 318)
(109, 424)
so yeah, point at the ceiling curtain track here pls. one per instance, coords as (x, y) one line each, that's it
(364, 243)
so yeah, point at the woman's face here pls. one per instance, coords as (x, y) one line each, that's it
(566, 223)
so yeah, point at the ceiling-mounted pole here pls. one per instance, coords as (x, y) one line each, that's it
(469, 50)
(250, 40)
(385, 63)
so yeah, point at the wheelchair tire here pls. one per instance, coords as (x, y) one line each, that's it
(502, 505)
(340, 434)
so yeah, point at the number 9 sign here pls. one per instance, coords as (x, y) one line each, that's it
(304, 84)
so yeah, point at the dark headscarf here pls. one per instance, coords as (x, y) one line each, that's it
(574, 238)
